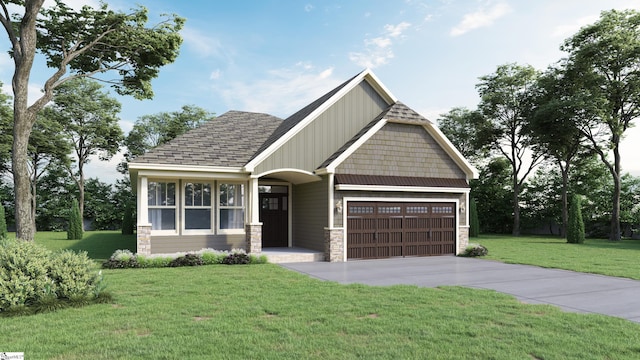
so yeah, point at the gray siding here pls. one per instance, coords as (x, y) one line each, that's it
(401, 150)
(310, 214)
(327, 133)
(340, 195)
(172, 244)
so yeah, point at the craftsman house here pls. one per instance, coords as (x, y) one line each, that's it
(355, 174)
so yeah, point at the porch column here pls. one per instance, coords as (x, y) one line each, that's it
(334, 244)
(143, 231)
(253, 229)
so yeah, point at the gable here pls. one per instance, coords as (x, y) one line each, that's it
(401, 150)
(332, 128)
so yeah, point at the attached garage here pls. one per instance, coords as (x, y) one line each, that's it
(387, 229)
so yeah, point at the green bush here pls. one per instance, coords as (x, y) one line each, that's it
(187, 260)
(74, 232)
(258, 259)
(127, 220)
(34, 279)
(474, 222)
(153, 261)
(123, 259)
(575, 228)
(3, 223)
(473, 250)
(213, 257)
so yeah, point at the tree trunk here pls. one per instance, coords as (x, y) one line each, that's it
(81, 194)
(565, 200)
(516, 208)
(24, 49)
(615, 212)
(34, 187)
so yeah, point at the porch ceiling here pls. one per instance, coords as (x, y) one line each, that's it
(293, 176)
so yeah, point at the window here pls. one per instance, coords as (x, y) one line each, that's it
(231, 206)
(197, 206)
(162, 205)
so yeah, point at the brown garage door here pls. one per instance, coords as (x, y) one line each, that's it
(385, 229)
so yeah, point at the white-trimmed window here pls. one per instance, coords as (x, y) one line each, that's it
(230, 206)
(161, 200)
(197, 206)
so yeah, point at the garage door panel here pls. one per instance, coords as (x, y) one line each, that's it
(400, 229)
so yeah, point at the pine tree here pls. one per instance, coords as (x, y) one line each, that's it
(74, 232)
(3, 223)
(575, 228)
(127, 220)
(474, 222)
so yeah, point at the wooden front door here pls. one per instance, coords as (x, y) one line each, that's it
(274, 215)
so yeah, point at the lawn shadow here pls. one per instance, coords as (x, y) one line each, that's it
(99, 245)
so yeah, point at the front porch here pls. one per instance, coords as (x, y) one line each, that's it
(279, 255)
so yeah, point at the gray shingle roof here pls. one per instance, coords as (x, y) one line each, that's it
(228, 140)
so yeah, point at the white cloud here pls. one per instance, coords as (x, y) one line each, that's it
(215, 75)
(308, 7)
(201, 44)
(34, 91)
(566, 30)
(282, 91)
(481, 18)
(378, 50)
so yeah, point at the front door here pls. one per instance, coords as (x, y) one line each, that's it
(274, 215)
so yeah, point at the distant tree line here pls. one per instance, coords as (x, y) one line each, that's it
(540, 138)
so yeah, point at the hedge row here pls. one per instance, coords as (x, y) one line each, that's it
(125, 259)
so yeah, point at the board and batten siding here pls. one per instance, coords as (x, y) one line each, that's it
(328, 132)
(408, 196)
(173, 244)
(310, 214)
(401, 150)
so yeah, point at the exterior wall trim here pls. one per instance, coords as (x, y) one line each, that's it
(197, 168)
(448, 190)
(346, 201)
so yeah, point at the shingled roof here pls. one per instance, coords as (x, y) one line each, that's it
(228, 140)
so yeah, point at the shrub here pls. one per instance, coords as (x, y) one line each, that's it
(575, 228)
(186, 260)
(258, 259)
(474, 222)
(121, 259)
(213, 257)
(34, 279)
(3, 223)
(74, 232)
(473, 250)
(153, 261)
(127, 220)
(236, 258)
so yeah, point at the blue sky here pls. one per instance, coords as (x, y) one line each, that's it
(275, 56)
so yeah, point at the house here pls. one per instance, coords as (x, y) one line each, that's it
(356, 174)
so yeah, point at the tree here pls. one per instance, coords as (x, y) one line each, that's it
(465, 128)
(74, 232)
(89, 123)
(558, 105)
(150, 131)
(474, 223)
(575, 230)
(6, 125)
(3, 223)
(127, 221)
(86, 43)
(505, 102)
(604, 58)
(492, 194)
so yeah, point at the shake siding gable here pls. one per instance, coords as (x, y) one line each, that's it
(401, 150)
(328, 132)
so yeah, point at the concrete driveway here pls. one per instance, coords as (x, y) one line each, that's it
(571, 291)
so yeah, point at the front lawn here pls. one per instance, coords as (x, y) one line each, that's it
(98, 244)
(613, 258)
(267, 312)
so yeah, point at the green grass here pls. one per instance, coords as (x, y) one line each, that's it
(98, 244)
(594, 256)
(267, 312)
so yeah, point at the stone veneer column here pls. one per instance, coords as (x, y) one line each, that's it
(334, 244)
(143, 236)
(463, 238)
(254, 238)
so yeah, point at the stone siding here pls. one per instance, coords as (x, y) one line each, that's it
(254, 238)
(463, 238)
(334, 244)
(143, 236)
